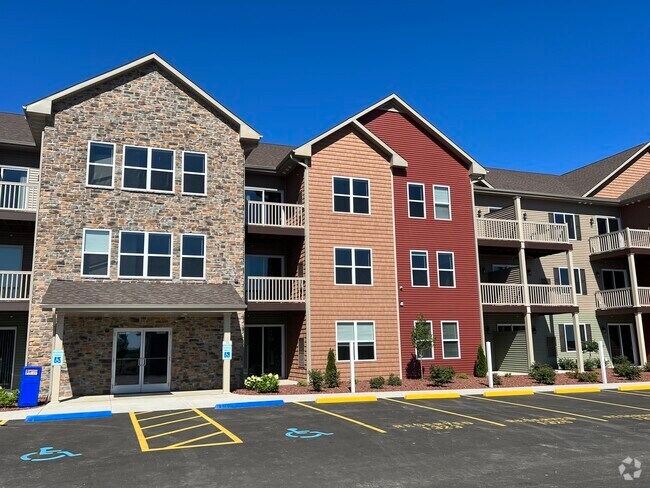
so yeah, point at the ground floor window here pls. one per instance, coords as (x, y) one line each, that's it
(570, 338)
(450, 340)
(428, 352)
(361, 334)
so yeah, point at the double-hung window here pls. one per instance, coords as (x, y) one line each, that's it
(352, 266)
(96, 253)
(417, 207)
(146, 168)
(569, 220)
(193, 256)
(441, 202)
(361, 334)
(420, 268)
(145, 255)
(446, 270)
(101, 159)
(563, 276)
(351, 195)
(450, 340)
(570, 338)
(427, 349)
(194, 173)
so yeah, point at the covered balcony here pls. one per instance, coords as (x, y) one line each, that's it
(513, 297)
(623, 299)
(275, 218)
(18, 193)
(15, 289)
(270, 293)
(492, 232)
(619, 243)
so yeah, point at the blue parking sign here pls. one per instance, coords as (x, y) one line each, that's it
(57, 357)
(226, 350)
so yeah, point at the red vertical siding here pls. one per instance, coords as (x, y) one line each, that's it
(431, 164)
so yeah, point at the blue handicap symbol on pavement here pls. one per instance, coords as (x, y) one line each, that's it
(305, 434)
(47, 454)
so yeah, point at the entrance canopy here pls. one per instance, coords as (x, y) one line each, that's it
(151, 297)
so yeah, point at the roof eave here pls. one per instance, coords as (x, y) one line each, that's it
(145, 307)
(602, 182)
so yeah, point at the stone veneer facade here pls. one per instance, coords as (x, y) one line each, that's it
(143, 107)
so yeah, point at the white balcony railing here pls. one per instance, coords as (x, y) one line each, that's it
(274, 289)
(275, 214)
(15, 285)
(644, 296)
(18, 196)
(617, 298)
(508, 230)
(550, 294)
(621, 239)
(513, 294)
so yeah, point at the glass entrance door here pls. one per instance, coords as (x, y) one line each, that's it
(141, 360)
(264, 349)
(7, 351)
(622, 341)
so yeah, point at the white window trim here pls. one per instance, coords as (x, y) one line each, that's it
(356, 343)
(433, 352)
(148, 169)
(583, 328)
(351, 196)
(577, 279)
(426, 254)
(453, 269)
(354, 266)
(265, 189)
(626, 277)
(435, 214)
(504, 327)
(575, 227)
(203, 277)
(83, 253)
(145, 256)
(423, 201)
(112, 166)
(205, 174)
(607, 218)
(442, 335)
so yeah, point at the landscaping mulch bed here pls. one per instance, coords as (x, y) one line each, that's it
(458, 384)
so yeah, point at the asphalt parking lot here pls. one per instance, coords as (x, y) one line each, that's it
(540, 440)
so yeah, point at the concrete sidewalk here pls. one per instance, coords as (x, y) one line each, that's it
(208, 399)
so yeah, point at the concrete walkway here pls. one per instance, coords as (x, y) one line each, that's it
(208, 399)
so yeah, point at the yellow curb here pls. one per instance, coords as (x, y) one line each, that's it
(430, 396)
(501, 393)
(584, 389)
(354, 399)
(633, 388)
(3, 422)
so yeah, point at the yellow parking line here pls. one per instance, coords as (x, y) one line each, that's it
(144, 447)
(177, 431)
(3, 422)
(599, 401)
(173, 446)
(629, 393)
(341, 417)
(170, 422)
(164, 415)
(236, 440)
(446, 411)
(536, 408)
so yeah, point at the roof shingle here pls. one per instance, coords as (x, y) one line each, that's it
(267, 156)
(15, 130)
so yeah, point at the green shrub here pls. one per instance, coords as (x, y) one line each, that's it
(462, 376)
(267, 383)
(542, 373)
(480, 366)
(508, 375)
(250, 382)
(394, 380)
(496, 379)
(646, 367)
(440, 376)
(316, 379)
(332, 377)
(620, 360)
(627, 371)
(8, 398)
(588, 377)
(377, 382)
(567, 363)
(590, 347)
(591, 364)
(302, 383)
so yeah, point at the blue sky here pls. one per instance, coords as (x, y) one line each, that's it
(538, 86)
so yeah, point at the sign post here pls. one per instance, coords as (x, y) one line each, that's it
(488, 354)
(603, 366)
(353, 388)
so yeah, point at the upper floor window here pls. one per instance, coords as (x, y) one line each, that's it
(193, 256)
(420, 268)
(351, 195)
(607, 225)
(352, 266)
(563, 278)
(194, 173)
(96, 253)
(145, 255)
(101, 159)
(446, 269)
(441, 202)
(569, 220)
(146, 168)
(417, 208)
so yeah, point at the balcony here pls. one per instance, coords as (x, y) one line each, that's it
(275, 293)
(622, 298)
(15, 287)
(509, 233)
(499, 297)
(620, 242)
(19, 197)
(275, 218)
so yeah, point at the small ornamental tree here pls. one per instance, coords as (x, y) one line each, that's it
(331, 373)
(421, 339)
(480, 367)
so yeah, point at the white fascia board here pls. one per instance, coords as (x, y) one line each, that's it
(600, 183)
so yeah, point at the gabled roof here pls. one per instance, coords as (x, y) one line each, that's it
(15, 130)
(525, 181)
(393, 101)
(44, 105)
(266, 156)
